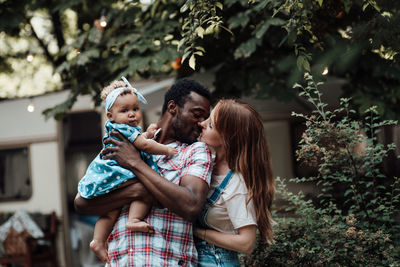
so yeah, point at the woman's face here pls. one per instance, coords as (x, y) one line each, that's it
(210, 135)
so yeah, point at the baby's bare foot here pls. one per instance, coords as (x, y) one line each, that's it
(139, 226)
(100, 249)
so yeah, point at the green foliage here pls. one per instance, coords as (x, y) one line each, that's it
(137, 42)
(356, 40)
(352, 222)
(201, 20)
(348, 158)
(255, 48)
(323, 237)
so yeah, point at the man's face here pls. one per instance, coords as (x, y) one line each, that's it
(186, 123)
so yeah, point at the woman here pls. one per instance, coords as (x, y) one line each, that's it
(245, 186)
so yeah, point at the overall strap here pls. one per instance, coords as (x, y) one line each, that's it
(218, 190)
(212, 199)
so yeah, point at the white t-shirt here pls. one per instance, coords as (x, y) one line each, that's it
(229, 212)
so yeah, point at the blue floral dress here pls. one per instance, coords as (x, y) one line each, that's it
(105, 175)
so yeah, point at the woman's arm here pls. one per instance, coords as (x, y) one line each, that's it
(244, 241)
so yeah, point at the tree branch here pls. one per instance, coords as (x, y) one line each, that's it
(58, 32)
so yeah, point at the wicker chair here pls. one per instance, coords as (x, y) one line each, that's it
(37, 250)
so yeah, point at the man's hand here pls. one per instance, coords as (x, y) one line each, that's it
(186, 199)
(122, 151)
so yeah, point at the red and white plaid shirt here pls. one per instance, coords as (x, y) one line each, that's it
(171, 244)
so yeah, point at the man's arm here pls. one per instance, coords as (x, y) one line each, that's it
(113, 200)
(186, 199)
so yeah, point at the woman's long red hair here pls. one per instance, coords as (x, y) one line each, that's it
(246, 147)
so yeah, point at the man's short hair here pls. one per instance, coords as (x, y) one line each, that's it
(181, 90)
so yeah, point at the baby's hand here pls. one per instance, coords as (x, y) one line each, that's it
(151, 130)
(172, 151)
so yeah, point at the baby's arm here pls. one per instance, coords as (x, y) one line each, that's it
(150, 132)
(152, 147)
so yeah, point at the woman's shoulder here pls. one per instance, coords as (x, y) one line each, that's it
(235, 186)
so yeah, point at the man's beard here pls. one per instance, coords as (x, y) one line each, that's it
(177, 125)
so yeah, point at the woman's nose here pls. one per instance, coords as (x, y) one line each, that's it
(202, 124)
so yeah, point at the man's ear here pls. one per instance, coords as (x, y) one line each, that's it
(109, 115)
(172, 107)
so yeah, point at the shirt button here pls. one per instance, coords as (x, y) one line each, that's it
(180, 262)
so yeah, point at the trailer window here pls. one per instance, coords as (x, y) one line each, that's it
(15, 181)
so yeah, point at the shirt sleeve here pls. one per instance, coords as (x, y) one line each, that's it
(130, 132)
(235, 198)
(240, 214)
(199, 162)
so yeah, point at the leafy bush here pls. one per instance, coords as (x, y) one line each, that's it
(353, 220)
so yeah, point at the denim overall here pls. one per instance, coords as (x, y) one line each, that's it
(210, 255)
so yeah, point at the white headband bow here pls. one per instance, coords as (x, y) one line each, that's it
(112, 96)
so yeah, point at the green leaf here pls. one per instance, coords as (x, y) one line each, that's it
(200, 31)
(277, 22)
(186, 55)
(239, 20)
(306, 65)
(261, 31)
(300, 62)
(374, 5)
(86, 56)
(138, 63)
(200, 48)
(184, 8)
(210, 29)
(154, 8)
(273, 21)
(246, 49)
(192, 62)
(260, 6)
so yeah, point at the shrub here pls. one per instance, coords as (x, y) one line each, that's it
(352, 222)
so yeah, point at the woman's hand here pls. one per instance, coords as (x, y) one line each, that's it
(122, 151)
(200, 233)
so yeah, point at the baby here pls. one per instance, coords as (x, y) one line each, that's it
(103, 176)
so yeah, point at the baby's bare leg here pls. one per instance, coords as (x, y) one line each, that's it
(137, 211)
(102, 230)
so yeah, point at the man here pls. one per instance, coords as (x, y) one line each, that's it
(181, 190)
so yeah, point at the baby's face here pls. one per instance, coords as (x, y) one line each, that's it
(126, 110)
